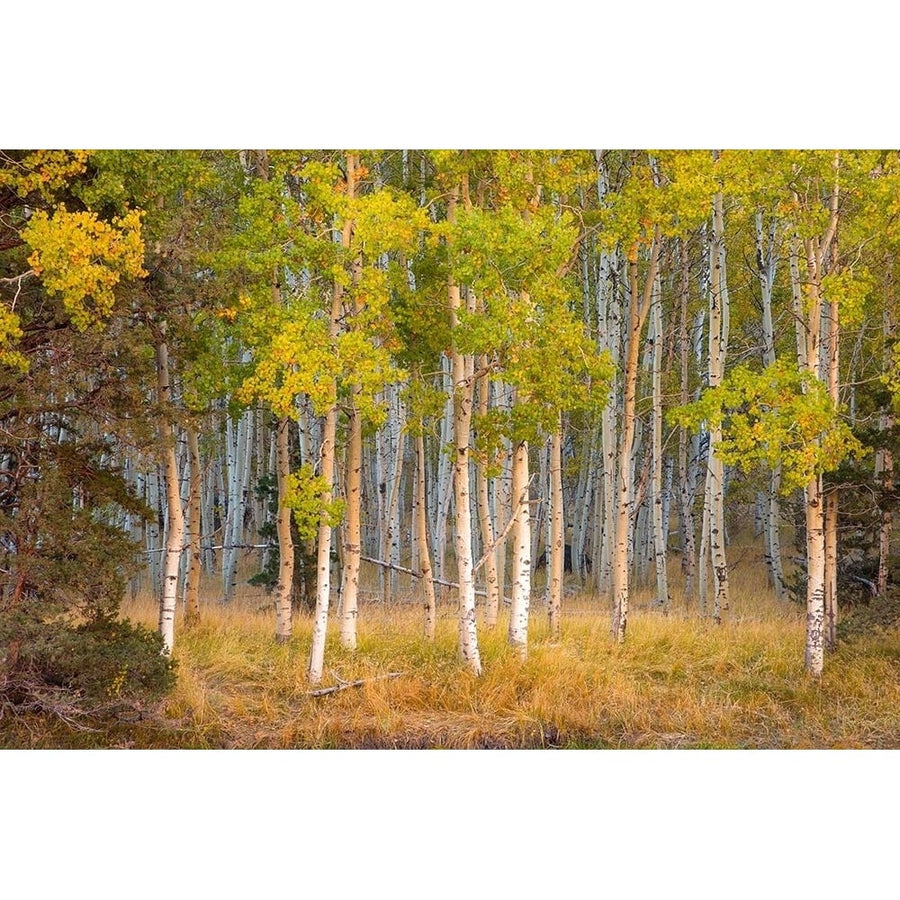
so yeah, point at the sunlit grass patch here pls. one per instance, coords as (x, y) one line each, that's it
(679, 681)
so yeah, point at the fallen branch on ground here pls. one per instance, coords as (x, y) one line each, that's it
(321, 692)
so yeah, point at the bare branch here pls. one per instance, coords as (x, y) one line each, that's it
(343, 685)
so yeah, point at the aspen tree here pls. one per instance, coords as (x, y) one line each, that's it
(686, 492)
(817, 248)
(488, 532)
(284, 584)
(718, 344)
(175, 528)
(462, 416)
(195, 566)
(326, 469)
(639, 306)
(884, 466)
(609, 327)
(177, 225)
(422, 537)
(352, 528)
(514, 251)
(660, 532)
(521, 534)
(557, 535)
(660, 197)
(766, 262)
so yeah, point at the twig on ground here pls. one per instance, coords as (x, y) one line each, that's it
(343, 685)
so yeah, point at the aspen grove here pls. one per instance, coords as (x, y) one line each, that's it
(475, 383)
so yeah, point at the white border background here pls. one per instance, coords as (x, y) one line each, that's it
(480, 74)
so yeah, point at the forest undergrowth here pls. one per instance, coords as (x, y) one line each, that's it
(678, 682)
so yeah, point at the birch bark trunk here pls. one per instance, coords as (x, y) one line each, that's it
(192, 582)
(352, 533)
(816, 254)
(832, 366)
(283, 609)
(686, 492)
(608, 324)
(766, 264)
(521, 595)
(462, 419)
(660, 537)
(175, 519)
(484, 516)
(557, 536)
(284, 585)
(445, 469)
(329, 435)
(422, 540)
(884, 470)
(718, 343)
(391, 547)
(639, 307)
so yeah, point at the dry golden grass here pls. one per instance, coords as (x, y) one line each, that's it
(679, 681)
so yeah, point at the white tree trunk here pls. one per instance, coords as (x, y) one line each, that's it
(175, 526)
(192, 582)
(556, 549)
(718, 343)
(284, 585)
(657, 493)
(445, 468)
(485, 521)
(766, 262)
(518, 615)
(639, 307)
(352, 533)
(462, 418)
(422, 540)
(391, 547)
(816, 253)
(815, 590)
(323, 554)
(329, 435)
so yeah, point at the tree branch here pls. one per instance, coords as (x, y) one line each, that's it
(344, 685)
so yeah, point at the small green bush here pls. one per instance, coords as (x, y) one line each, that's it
(96, 664)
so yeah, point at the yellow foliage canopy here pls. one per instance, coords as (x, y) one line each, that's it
(81, 258)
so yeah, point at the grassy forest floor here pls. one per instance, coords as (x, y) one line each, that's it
(679, 681)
